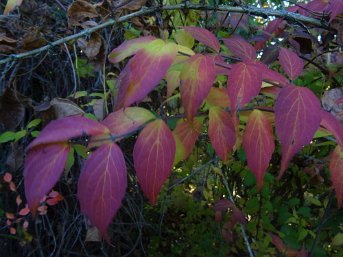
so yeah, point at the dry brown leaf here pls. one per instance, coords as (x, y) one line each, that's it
(33, 39)
(91, 48)
(7, 45)
(12, 109)
(81, 11)
(57, 108)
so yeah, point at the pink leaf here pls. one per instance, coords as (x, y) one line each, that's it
(333, 125)
(102, 185)
(336, 171)
(197, 77)
(24, 211)
(153, 157)
(258, 143)
(240, 47)
(291, 63)
(145, 71)
(203, 36)
(129, 48)
(66, 128)
(218, 97)
(221, 131)
(43, 167)
(185, 134)
(243, 84)
(297, 118)
(336, 8)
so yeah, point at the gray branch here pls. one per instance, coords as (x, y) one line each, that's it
(144, 11)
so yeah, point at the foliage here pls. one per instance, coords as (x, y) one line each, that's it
(199, 97)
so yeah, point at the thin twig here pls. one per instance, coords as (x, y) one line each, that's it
(244, 234)
(144, 11)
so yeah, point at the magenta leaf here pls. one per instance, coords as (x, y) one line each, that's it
(44, 165)
(144, 72)
(129, 48)
(291, 63)
(258, 143)
(221, 131)
(203, 36)
(153, 157)
(333, 125)
(336, 171)
(66, 128)
(336, 8)
(102, 185)
(197, 77)
(240, 47)
(244, 83)
(297, 118)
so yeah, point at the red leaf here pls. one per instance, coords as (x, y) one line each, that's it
(66, 128)
(43, 167)
(336, 8)
(336, 171)
(240, 47)
(297, 118)
(197, 77)
(153, 157)
(204, 36)
(258, 143)
(244, 83)
(24, 211)
(102, 185)
(318, 6)
(127, 120)
(185, 134)
(221, 131)
(145, 71)
(129, 48)
(333, 125)
(291, 63)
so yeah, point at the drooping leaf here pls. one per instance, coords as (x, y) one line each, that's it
(336, 7)
(197, 77)
(218, 97)
(102, 185)
(336, 171)
(243, 84)
(144, 71)
(67, 128)
(258, 143)
(333, 125)
(11, 4)
(129, 48)
(43, 167)
(203, 36)
(185, 134)
(291, 63)
(240, 47)
(221, 131)
(297, 118)
(153, 157)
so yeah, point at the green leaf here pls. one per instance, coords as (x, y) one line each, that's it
(338, 239)
(70, 160)
(34, 123)
(7, 136)
(35, 133)
(19, 135)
